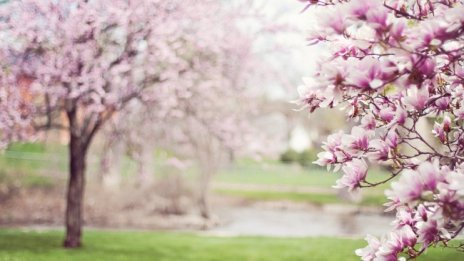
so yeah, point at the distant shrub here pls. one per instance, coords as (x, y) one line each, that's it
(307, 157)
(304, 158)
(289, 156)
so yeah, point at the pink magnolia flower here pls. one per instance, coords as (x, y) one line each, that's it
(359, 139)
(334, 142)
(380, 150)
(446, 123)
(397, 33)
(443, 103)
(371, 74)
(429, 231)
(335, 153)
(336, 73)
(404, 217)
(325, 158)
(368, 253)
(387, 113)
(408, 188)
(355, 172)
(377, 17)
(336, 21)
(400, 116)
(416, 97)
(406, 236)
(425, 66)
(431, 175)
(395, 243)
(368, 122)
(449, 199)
(440, 130)
(422, 213)
(431, 35)
(360, 9)
(413, 183)
(392, 139)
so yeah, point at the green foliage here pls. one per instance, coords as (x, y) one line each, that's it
(290, 156)
(307, 157)
(304, 158)
(17, 245)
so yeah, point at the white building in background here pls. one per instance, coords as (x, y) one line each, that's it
(299, 139)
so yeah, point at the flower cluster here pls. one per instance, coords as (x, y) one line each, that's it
(395, 67)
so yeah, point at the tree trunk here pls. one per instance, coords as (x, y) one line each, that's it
(203, 201)
(74, 206)
(204, 205)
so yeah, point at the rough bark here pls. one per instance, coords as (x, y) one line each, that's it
(75, 195)
(79, 141)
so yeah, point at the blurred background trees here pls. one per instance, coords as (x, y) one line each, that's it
(155, 108)
(83, 62)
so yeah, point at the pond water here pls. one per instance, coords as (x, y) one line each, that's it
(252, 221)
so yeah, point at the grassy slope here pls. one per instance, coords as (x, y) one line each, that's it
(140, 246)
(316, 198)
(282, 174)
(288, 175)
(26, 163)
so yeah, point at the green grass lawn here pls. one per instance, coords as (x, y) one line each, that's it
(316, 198)
(140, 246)
(275, 173)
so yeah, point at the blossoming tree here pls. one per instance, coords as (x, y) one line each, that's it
(86, 60)
(394, 65)
(15, 108)
(206, 114)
